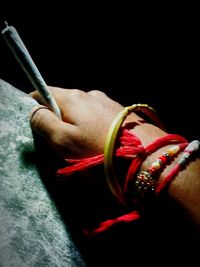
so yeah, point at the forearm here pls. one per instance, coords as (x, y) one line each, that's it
(86, 118)
(185, 187)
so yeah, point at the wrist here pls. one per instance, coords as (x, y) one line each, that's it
(185, 187)
(185, 190)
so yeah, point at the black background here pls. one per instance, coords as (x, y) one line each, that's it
(132, 55)
(147, 55)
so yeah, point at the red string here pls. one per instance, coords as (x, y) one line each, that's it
(149, 149)
(189, 150)
(129, 147)
(168, 178)
(129, 217)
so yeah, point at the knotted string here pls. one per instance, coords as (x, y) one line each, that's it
(130, 147)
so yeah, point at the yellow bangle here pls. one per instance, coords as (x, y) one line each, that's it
(110, 144)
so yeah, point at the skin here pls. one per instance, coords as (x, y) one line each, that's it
(86, 118)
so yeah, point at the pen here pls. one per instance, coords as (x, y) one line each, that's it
(23, 57)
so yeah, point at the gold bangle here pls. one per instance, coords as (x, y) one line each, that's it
(110, 144)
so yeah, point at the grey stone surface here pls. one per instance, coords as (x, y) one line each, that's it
(32, 232)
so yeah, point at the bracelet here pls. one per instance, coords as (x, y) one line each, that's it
(110, 144)
(145, 182)
(166, 140)
(180, 165)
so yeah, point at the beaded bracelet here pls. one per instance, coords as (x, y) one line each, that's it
(145, 182)
(111, 139)
(180, 165)
(166, 140)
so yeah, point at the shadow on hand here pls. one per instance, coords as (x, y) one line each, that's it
(163, 235)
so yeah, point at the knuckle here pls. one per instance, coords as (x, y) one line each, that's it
(96, 93)
(77, 93)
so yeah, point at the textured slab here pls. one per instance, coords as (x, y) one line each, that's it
(32, 232)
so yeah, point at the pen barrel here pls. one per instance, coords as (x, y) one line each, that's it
(22, 55)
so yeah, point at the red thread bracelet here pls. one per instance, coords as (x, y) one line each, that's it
(149, 149)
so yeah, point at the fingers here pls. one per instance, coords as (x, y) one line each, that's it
(68, 100)
(37, 97)
(67, 95)
(44, 122)
(61, 95)
(35, 109)
(48, 125)
(57, 93)
(86, 118)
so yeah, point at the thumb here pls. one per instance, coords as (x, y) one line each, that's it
(47, 124)
(43, 121)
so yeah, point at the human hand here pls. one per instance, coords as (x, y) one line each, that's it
(86, 118)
